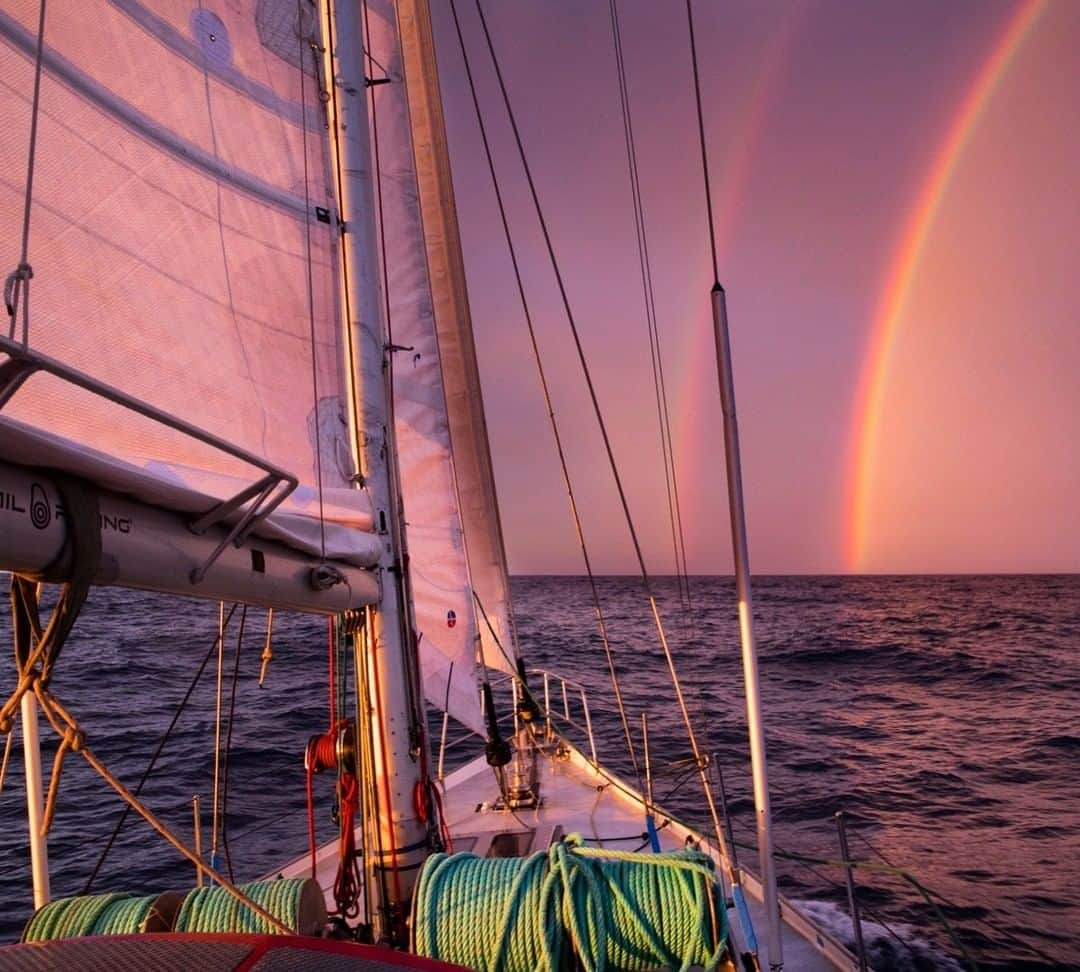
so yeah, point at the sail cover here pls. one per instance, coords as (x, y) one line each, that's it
(454, 637)
(182, 249)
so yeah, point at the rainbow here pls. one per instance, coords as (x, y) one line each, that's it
(870, 395)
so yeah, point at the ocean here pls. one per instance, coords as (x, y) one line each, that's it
(941, 714)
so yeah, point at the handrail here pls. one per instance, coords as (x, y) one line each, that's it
(263, 496)
(566, 687)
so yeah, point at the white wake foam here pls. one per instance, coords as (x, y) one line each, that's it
(913, 953)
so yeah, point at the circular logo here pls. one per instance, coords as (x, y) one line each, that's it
(40, 510)
(451, 618)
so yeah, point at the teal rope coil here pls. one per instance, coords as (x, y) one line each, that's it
(214, 909)
(127, 917)
(97, 914)
(610, 909)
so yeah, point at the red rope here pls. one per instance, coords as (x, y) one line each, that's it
(320, 754)
(322, 750)
(348, 882)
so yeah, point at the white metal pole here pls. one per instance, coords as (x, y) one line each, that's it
(35, 803)
(746, 625)
(197, 820)
(390, 657)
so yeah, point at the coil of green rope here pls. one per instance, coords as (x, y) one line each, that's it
(290, 900)
(97, 914)
(612, 909)
(127, 917)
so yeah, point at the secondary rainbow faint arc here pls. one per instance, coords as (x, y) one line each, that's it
(870, 397)
(698, 353)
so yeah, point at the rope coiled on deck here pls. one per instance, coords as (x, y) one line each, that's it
(612, 909)
(93, 914)
(296, 903)
(214, 909)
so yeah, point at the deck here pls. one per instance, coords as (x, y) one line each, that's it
(577, 797)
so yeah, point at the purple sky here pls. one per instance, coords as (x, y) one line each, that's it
(823, 119)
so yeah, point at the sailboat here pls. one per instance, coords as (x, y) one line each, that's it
(239, 366)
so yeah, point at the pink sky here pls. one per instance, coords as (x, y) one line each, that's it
(824, 118)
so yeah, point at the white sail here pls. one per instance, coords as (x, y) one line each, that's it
(180, 208)
(452, 634)
(461, 376)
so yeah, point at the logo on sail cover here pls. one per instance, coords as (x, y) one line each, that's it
(451, 618)
(40, 512)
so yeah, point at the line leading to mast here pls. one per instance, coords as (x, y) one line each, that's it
(740, 550)
(613, 465)
(557, 436)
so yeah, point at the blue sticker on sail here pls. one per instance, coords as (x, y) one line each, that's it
(211, 36)
(451, 618)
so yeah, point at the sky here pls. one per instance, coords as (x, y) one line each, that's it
(898, 221)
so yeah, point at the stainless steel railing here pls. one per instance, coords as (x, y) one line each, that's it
(564, 706)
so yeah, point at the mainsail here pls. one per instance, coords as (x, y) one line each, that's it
(455, 549)
(182, 238)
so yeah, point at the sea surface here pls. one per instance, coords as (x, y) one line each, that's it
(942, 714)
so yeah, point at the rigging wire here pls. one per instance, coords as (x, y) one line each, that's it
(704, 153)
(306, 44)
(19, 278)
(575, 515)
(228, 747)
(1004, 932)
(571, 320)
(162, 742)
(217, 735)
(889, 868)
(838, 886)
(663, 416)
(926, 894)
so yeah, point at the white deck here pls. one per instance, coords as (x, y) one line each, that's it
(578, 798)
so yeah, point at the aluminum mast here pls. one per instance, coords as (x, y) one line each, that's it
(391, 662)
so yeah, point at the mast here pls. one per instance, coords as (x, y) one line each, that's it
(390, 661)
